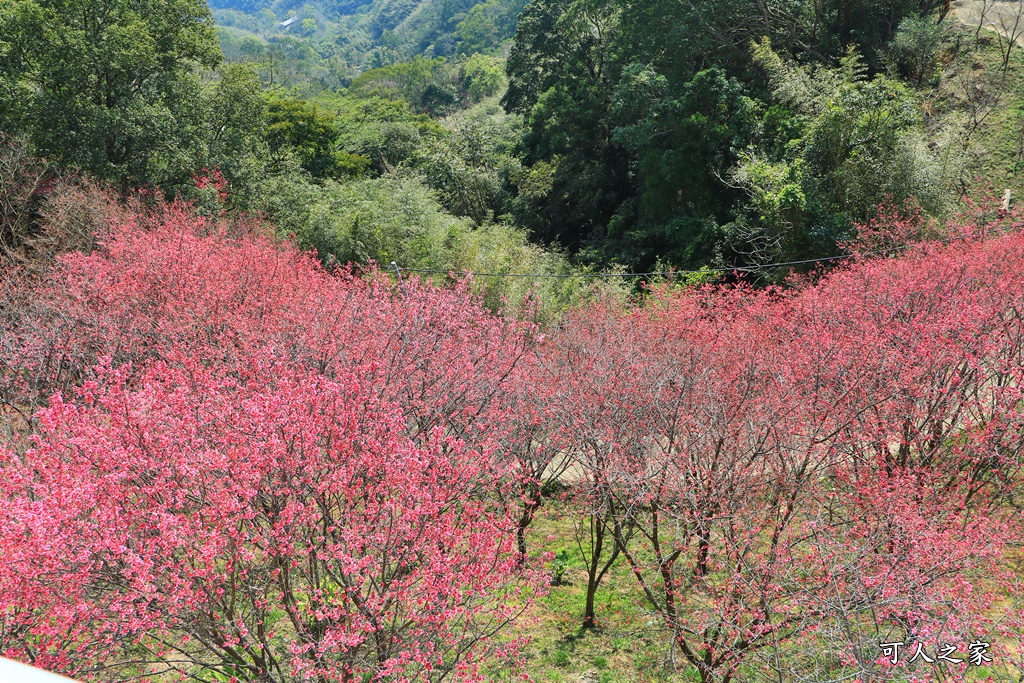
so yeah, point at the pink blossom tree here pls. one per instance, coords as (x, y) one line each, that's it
(256, 468)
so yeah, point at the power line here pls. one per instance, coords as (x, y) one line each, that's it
(722, 269)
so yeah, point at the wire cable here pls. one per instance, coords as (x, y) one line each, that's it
(719, 269)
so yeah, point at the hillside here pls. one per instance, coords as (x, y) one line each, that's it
(373, 32)
(568, 341)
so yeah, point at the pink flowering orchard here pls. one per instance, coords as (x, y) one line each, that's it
(222, 462)
(795, 476)
(251, 467)
(261, 518)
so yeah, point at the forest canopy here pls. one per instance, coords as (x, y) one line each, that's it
(630, 135)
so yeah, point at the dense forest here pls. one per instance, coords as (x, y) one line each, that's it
(583, 341)
(495, 137)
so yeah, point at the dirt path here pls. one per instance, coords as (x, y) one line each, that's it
(996, 15)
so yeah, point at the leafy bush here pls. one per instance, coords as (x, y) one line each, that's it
(913, 50)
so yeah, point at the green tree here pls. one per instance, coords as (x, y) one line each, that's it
(912, 52)
(398, 218)
(478, 32)
(483, 76)
(296, 127)
(561, 76)
(384, 131)
(868, 24)
(850, 143)
(235, 119)
(653, 133)
(108, 86)
(408, 81)
(252, 49)
(288, 62)
(684, 140)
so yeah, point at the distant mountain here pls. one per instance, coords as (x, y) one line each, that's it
(247, 6)
(376, 32)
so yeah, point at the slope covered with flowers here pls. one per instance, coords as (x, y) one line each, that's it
(220, 460)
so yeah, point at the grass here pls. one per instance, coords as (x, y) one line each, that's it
(630, 644)
(996, 147)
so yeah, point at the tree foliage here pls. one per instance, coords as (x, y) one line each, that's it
(793, 477)
(654, 118)
(108, 87)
